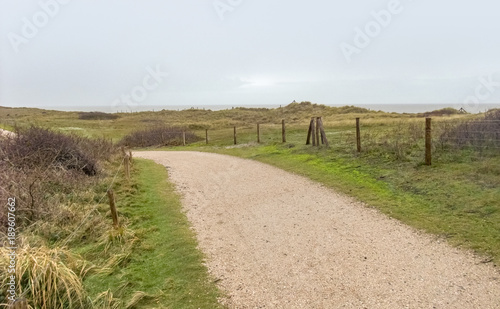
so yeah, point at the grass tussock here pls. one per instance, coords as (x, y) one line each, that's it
(49, 278)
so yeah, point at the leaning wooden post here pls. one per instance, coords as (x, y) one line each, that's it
(206, 136)
(112, 206)
(283, 131)
(309, 132)
(258, 133)
(321, 130)
(317, 131)
(428, 141)
(126, 165)
(313, 131)
(358, 135)
(183, 138)
(234, 134)
(324, 140)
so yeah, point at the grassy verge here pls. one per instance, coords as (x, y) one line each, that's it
(164, 268)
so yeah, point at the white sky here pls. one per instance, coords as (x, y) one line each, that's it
(91, 52)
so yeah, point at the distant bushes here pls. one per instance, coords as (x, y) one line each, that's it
(97, 116)
(307, 106)
(158, 136)
(447, 111)
(482, 133)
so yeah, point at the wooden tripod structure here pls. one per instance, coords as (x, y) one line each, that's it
(316, 131)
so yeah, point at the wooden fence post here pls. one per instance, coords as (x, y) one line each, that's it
(309, 132)
(358, 135)
(317, 131)
(20, 303)
(428, 141)
(112, 206)
(283, 131)
(258, 133)
(234, 134)
(206, 136)
(324, 140)
(126, 165)
(313, 131)
(183, 138)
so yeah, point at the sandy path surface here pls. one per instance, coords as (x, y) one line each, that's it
(277, 240)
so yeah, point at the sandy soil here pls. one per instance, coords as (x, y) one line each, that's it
(6, 133)
(278, 240)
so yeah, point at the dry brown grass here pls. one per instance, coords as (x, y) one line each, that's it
(48, 278)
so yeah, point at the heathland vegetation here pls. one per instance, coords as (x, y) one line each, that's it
(455, 198)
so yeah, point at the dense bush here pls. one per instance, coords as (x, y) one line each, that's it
(37, 166)
(97, 116)
(41, 148)
(158, 136)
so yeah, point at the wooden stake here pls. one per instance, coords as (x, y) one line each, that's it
(317, 131)
(206, 136)
(183, 138)
(324, 140)
(428, 141)
(126, 165)
(258, 133)
(358, 135)
(283, 131)
(313, 132)
(112, 206)
(234, 134)
(309, 132)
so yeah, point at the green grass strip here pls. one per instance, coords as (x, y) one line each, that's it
(165, 262)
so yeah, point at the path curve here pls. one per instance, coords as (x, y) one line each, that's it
(277, 240)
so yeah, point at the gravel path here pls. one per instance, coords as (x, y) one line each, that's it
(277, 240)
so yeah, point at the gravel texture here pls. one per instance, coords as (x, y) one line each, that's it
(277, 240)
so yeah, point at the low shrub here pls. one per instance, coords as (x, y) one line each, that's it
(476, 133)
(37, 147)
(97, 116)
(158, 136)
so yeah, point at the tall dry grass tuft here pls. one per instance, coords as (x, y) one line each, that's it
(106, 300)
(47, 278)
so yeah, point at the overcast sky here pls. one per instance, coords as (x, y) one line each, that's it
(127, 54)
